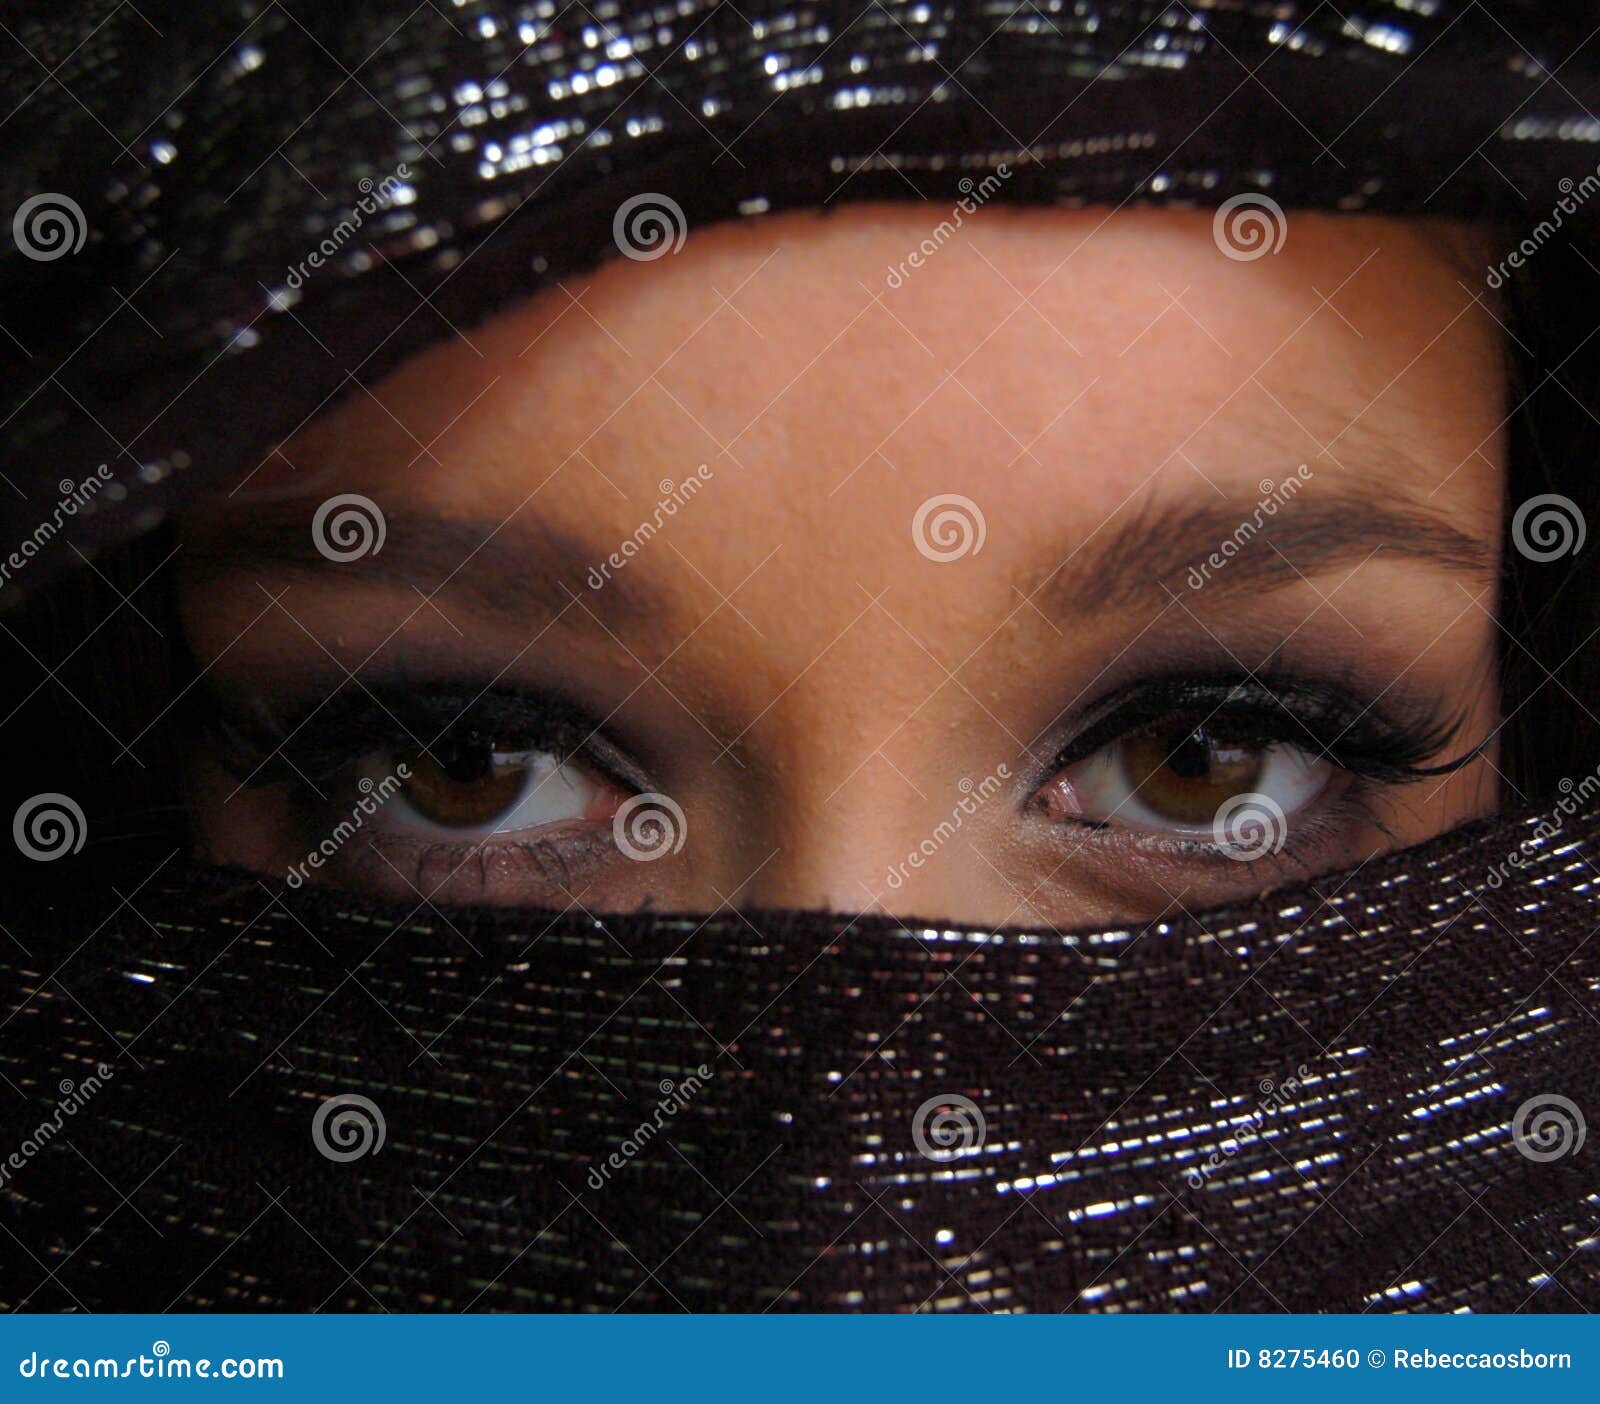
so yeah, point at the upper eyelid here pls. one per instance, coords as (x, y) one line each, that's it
(1126, 714)
(1410, 739)
(322, 741)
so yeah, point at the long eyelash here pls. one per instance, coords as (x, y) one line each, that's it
(262, 748)
(1386, 744)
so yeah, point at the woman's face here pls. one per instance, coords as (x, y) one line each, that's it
(1078, 574)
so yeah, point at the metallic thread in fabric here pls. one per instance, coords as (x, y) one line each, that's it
(1349, 1095)
(1334, 1099)
(212, 150)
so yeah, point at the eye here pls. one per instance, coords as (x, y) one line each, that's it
(1177, 778)
(514, 798)
(475, 788)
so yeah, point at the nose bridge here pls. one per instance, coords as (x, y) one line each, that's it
(863, 807)
(843, 851)
(855, 736)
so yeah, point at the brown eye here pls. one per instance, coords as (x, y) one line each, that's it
(474, 788)
(1187, 775)
(465, 786)
(1181, 778)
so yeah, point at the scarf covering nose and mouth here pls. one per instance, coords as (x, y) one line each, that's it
(1372, 1091)
(1366, 1093)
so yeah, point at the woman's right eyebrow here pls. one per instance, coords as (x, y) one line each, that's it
(527, 569)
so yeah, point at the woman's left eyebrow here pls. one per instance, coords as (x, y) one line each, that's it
(520, 566)
(1212, 546)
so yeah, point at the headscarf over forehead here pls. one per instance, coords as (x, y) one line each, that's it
(1371, 1091)
(224, 216)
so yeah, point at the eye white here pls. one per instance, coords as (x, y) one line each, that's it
(1291, 776)
(551, 792)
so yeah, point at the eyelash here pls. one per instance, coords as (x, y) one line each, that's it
(324, 739)
(1373, 744)
(1386, 746)
(1377, 745)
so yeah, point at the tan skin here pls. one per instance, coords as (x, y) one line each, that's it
(781, 659)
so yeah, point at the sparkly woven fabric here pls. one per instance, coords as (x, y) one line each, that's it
(1369, 1092)
(242, 210)
(1348, 1097)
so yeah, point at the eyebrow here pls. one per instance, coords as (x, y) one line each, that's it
(524, 569)
(520, 569)
(1236, 546)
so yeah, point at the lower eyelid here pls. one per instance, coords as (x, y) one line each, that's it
(1345, 804)
(532, 871)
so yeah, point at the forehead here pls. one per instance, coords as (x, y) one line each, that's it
(818, 379)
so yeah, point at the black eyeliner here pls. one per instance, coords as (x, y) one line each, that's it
(260, 746)
(1384, 743)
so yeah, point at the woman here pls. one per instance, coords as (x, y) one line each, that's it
(948, 641)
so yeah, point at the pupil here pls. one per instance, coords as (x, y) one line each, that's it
(1193, 757)
(464, 763)
(459, 784)
(1183, 775)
